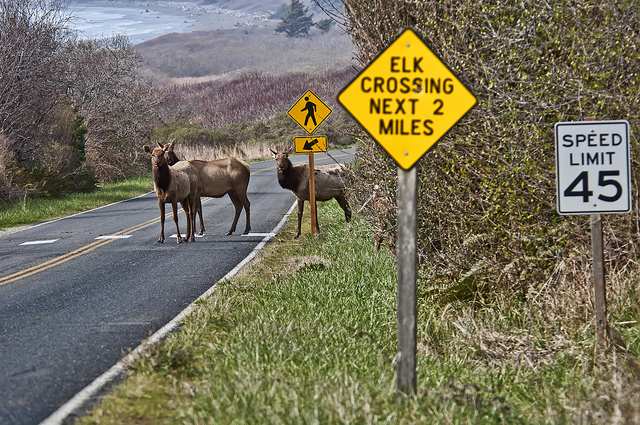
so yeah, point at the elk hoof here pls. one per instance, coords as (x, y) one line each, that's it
(161, 240)
(230, 232)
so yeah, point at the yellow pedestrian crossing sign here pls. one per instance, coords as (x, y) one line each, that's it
(310, 144)
(309, 111)
(406, 99)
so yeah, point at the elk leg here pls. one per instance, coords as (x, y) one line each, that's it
(342, 201)
(242, 201)
(199, 213)
(174, 206)
(247, 210)
(378, 239)
(300, 211)
(194, 201)
(187, 208)
(238, 206)
(161, 205)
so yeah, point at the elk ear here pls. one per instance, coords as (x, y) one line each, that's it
(159, 145)
(288, 151)
(146, 148)
(274, 153)
(173, 142)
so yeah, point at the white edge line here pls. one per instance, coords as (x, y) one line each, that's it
(80, 399)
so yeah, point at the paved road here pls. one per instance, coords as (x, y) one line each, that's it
(78, 293)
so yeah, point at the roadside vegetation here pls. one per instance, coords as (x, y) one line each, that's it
(31, 211)
(75, 113)
(306, 333)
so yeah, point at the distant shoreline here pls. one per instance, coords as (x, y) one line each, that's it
(145, 20)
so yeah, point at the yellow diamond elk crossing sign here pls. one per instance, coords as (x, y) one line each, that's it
(407, 99)
(309, 111)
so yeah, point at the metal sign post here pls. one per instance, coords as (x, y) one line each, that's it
(407, 256)
(407, 99)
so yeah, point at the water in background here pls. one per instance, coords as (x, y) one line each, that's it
(141, 23)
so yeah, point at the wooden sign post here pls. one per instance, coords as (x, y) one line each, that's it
(309, 112)
(599, 288)
(312, 194)
(407, 99)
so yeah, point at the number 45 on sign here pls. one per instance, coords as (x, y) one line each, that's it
(593, 170)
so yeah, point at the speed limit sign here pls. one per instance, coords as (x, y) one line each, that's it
(593, 167)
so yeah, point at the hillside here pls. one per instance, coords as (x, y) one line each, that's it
(227, 53)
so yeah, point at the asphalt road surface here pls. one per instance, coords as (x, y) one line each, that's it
(76, 294)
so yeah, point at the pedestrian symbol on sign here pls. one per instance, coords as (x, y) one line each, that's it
(310, 107)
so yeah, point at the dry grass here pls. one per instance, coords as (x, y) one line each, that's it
(243, 151)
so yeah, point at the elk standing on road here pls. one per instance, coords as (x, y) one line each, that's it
(173, 184)
(219, 177)
(330, 182)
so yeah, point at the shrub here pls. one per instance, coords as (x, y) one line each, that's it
(487, 218)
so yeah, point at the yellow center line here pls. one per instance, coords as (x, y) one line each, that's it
(71, 255)
(263, 170)
(78, 252)
(87, 248)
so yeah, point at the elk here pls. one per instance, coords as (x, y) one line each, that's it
(219, 177)
(173, 184)
(330, 182)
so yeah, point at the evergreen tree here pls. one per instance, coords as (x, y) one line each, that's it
(324, 25)
(296, 22)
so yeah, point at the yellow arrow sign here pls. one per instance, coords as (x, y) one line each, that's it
(407, 99)
(309, 111)
(310, 144)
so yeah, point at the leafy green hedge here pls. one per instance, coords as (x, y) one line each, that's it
(487, 213)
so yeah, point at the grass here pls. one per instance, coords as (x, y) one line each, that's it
(31, 211)
(307, 334)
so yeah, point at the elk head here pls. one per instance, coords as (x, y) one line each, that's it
(282, 160)
(157, 155)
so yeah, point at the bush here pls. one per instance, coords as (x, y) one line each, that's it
(487, 215)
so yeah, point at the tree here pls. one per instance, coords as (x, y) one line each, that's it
(70, 110)
(324, 25)
(296, 22)
(32, 70)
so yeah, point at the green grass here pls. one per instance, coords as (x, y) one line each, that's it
(31, 211)
(306, 334)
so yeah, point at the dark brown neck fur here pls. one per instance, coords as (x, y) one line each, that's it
(162, 177)
(290, 178)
